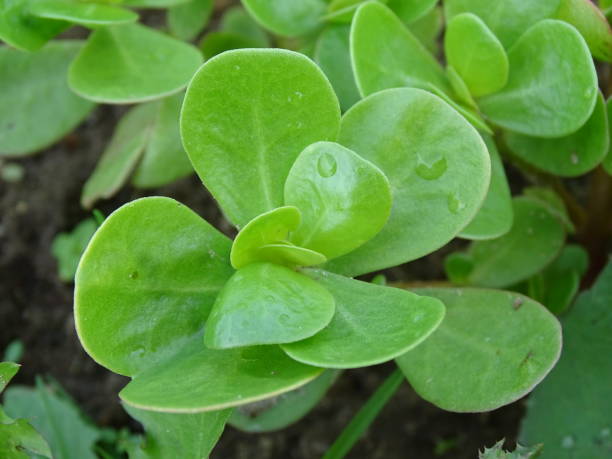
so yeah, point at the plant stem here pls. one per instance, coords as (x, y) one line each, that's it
(365, 416)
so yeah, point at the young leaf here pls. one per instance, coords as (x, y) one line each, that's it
(291, 255)
(577, 426)
(187, 436)
(202, 379)
(427, 29)
(287, 17)
(491, 349)
(521, 452)
(344, 199)
(508, 19)
(460, 89)
(287, 408)
(246, 117)
(135, 306)
(85, 14)
(568, 156)
(132, 63)
(476, 53)
(431, 155)
(333, 56)
(68, 247)
(19, 440)
(7, 371)
(264, 303)
(535, 239)
(372, 324)
(494, 219)
(386, 55)
(552, 86)
(36, 83)
(187, 20)
(411, 10)
(237, 21)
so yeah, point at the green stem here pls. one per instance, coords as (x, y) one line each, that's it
(366, 415)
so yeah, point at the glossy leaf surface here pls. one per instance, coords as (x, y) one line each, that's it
(476, 53)
(7, 371)
(287, 17)
(36, 83)
(264, 303)
(568, 156)
(552, 86)
(246, 117)
(86, 14)
(134, 305)
(344, 200)
(290, 255)
(132, 63)
(187, 20)
(411, 10)
(204, 379)
(372, 324)
(436, 163)
(491, 349)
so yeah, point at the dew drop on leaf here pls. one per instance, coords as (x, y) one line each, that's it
(568, 442)
(431, 171)
(326, 165)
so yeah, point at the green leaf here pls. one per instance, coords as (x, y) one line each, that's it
(152, 3)
(460, 89)
(494, 219)
(385, 54)
(246, 117)
(20, 29)
(344, 199)
(553, 202)
(202, 379)
(577, 426)
(591, 23)
(188, 436)
(568, 156)
(552, 86)
(290, 255)
(287, 17)
(132, 63)
(135, 305)
(7, 371)
(68, 247)
(187, 20)
(281, 411)
(476, 53)
(215, 43)
(85, 14)
(607, 161)
(333, 56)
(428, 28)
(429, 154)
(121, 155)
(521, 452)
(491, 349)
(19, 440)
(508, 19)
(342, 11)
(372, 324)
(237, 21)
(535, 239)
(56, 417)
(36, 83)
(411, 10)
(264, 303)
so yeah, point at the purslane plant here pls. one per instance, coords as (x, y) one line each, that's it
(203, 324)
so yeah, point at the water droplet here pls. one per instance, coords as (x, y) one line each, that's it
(574, 158)
(284, 319)
(236, 67)
(212, 253)
(568, 442)
(431, 171)
(299, 94)
(326, 165)
(454, 204)
(133, 275)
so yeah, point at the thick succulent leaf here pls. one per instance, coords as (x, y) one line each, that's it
(237, 21)
(187, 20)
(20, 29)
(568, 156)
(152, 3)
(268, 228)
(146, 283)
(430, 154)
(287, 408)
(476, 53)
(36, 84)
(246, 117)
(344, 199)
(494, 219)
(427, 29)
(202, 379)
(333, 56)
(121, 155)
(553, 203)
(290, 255)
(552, 86)
(19, 440)
(372, 324)
(85, 14)
(508, 19)
(7, 371)
(460, 89)
(264, 303)
(591, 23)
(577, 425)
(132, 63)
(164, 159)
(68, 247)
(187, 436)
(411, 10)
(287, 17)
(218, 42)
(342, 11)
(491, 349)
(607, 161)
(535, 239)
(385, 54)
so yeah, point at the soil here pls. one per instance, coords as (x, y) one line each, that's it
(36, 308)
